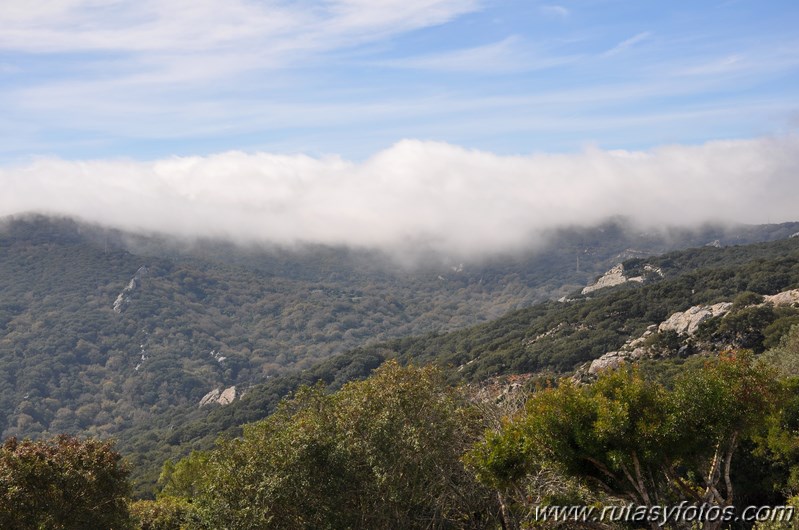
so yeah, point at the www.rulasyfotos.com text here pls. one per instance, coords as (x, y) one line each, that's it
(683, 512)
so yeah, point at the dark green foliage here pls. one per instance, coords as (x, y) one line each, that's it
(68, 362)
(785, 357)
(380, 453)
(744, 328)
(166, 513)
(550, 336)
(64, 483)
(643, 442)
(753, 327)
(745, 299)
(666, 342)
(781, 444)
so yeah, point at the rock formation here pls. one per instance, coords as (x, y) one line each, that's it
(784, 298)
(219, 396)
(614, 276)
(122, 301)
(687, 322)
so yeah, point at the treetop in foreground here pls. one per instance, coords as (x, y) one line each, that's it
(62, 484)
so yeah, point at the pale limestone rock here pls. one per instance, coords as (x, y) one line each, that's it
(123, 299)
(610, 360)
(614, 276)
(227, 396)
(547, 333)
(220, 397)
(784, 298)
(653, 269)
(119, 303)
(635, 343)
(687, 322)
(210, 397)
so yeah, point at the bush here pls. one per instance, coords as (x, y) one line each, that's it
(64, 483)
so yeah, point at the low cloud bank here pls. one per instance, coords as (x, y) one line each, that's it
(450, 199)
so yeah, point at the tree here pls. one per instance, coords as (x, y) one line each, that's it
(380, 453)
(716, 408)
(63, 483)
(165, 513)
(626, 437)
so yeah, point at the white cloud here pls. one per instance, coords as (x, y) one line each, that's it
(456, 200)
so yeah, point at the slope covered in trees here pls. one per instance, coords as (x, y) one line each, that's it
(373, 435)
(403, 448)
(548, 338)
(102, 331)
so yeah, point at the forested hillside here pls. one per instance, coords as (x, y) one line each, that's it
(406, 448)
(116, 334)
(547, 339)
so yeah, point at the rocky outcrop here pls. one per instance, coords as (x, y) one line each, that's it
(123, 299)
(633, 350)
(687, 322)
(614, 276)
(210, 397)
(610, 360)
(547, 333)
(219, 397)
(227, 396)
(784, 298)
(144, 357)
(653, 270)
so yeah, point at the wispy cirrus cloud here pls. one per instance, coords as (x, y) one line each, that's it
(511, 54)
(87, 65)
(753, 61)
(169, 42)
(181, 26)
(627, 43)
(94, 78)
(555, 10)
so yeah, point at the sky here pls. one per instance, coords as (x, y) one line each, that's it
(266, 111)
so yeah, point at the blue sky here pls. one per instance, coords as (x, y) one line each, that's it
(97, 79)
